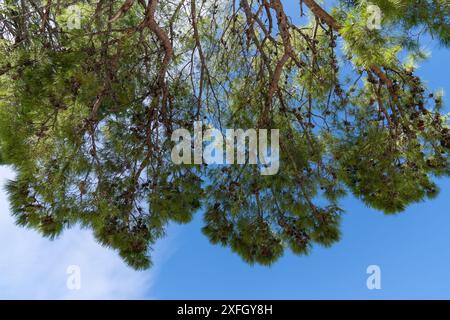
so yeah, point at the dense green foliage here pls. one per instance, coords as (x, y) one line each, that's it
(86, 116)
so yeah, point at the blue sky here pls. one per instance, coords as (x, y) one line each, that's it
(412, 250)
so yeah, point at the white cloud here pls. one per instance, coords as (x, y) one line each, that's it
(32, 267)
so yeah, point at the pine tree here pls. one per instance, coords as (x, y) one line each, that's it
(87, 112)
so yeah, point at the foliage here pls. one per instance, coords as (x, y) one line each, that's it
(86, 117)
